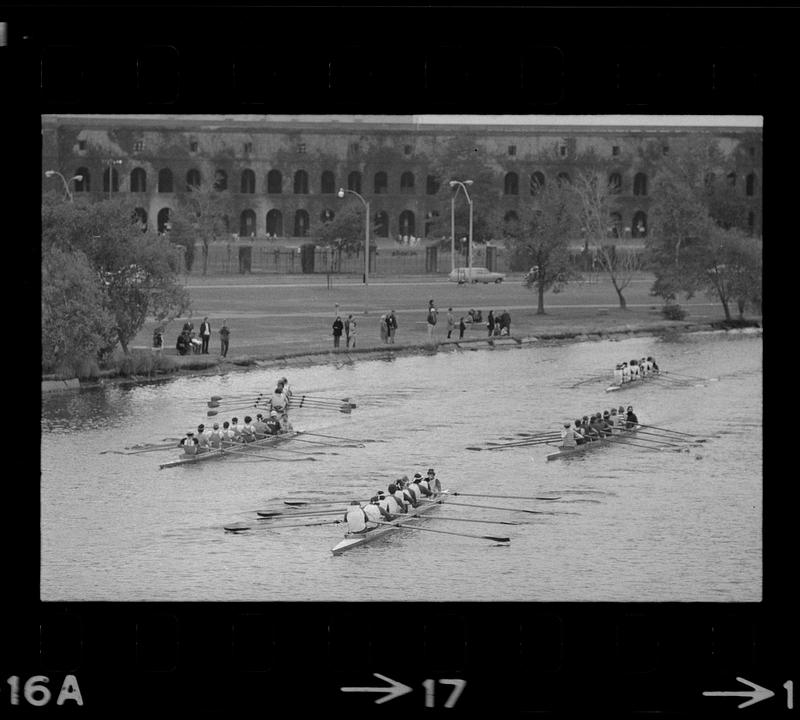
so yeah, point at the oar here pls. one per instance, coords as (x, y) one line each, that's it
(549, 436)
(505, 497)
(240, 526)
(334, 437)
(447, 532)
(665, 436)
(683, 375)
(254, 453)
(524, 444)
(272, 514)
(489, 522)
(655, 427)
(492, 507)
(326, 444)
(301, 503)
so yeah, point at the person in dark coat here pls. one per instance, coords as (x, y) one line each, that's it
(505, 323)
(490, 323)
(338, 328)
(205, 335)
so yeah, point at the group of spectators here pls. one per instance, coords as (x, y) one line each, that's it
(191, 343)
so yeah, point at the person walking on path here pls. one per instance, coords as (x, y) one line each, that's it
(391, 326)
(338, 327)
(224, 338)
(431, 319)
(451, 323)
(352, 331)
(490, 323)
(384, 329)
(205, 335)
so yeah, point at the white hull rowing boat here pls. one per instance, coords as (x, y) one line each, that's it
(230, 448)
(352, 540)
(631, 383)
(603, 442)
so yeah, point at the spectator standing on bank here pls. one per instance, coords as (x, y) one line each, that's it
(431, 319)
(451, 323)
(338, 327)
(353, 327)
(224, 338)
(505, 323)
(347, 331)
(158, 339)
(461, 327)
(205, 335)
(490, 323)
(384, 329)
(391, 326)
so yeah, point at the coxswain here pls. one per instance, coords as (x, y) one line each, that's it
(215, 437)
(273, 424)
(618, 374)
(356, 518)
(433, 482)
(248, 431)
(569, 437)
(202, 439)
(653, 364)
(374, 512)
(236, 430)
(396, 502)
(631, 420)
(189, 444)
(626, 373)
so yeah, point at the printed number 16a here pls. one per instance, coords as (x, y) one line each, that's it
(455, 693)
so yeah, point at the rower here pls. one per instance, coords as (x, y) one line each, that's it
(260, 426)
(424, 485)
(396, 502)
(202, 439)
(189, 444)
(278, 399)
(227, 433)
(653, 364)
(433, 482)
(287, 391)
(607, 424)
(643, 367)
(374, 511)
(626, 373)
(618, 374)
(215, 437)
(590, 432)
(631, 420)
(409, 496)
(273, 424)
(236, 430)
(248, 431)
(569, 437)
(356, 518)
(415, 487)
(580, 437)
(634, 365)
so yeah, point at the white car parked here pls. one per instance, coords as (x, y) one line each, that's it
(476, 274)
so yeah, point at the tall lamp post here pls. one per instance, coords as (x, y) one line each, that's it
(461, 186)
(77, 178)
(340, 194)
(111, 164)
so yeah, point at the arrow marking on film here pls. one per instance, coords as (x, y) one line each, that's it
(395, 690)
(757, 694)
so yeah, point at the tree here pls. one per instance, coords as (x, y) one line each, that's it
(137, 271)
(540, 238)
(346, 231)
(202, 215)
(75, 323)
(597, 201)
(733, 269)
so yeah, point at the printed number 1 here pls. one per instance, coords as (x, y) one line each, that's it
(430, 685)
(789, 685)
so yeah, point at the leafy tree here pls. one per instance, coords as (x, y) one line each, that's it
(200, 216)
(75, 323)
(136, 270)
(733, 269)
(540, 238)
(346, 231)
(597, 200)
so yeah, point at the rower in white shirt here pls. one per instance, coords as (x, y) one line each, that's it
(236, 430)
(374, 512)
(626, 373)
(248, 431)
(433, 482)
(634, 366)
(215, 437)
(356, 518)
(189, 444)
(203, 444)
(397, 502)
(226, 432)
(569, 437)
(618, 374)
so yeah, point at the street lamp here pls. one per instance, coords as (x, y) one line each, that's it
(340, 195)
(77, 178)
(461, 185)
(111, 164)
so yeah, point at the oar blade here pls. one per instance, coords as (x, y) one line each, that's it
(494, 538)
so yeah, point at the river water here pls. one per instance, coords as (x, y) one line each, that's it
(632, 523)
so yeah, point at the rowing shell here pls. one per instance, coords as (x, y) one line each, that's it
(634, 383)
(225, 450)
(602, 442)
(352, 540)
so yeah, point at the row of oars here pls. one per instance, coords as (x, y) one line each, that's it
(667, 439)
(262, 401)
(334, 512)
